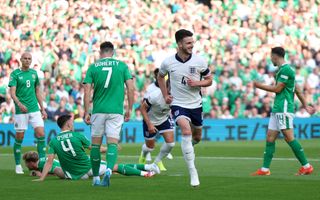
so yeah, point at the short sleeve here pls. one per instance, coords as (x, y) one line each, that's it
(204, 69)
(84, 140)
(37, 80)
(13, 80)
(88, 78)
(163, 68)
(127, 74)
(284, 76)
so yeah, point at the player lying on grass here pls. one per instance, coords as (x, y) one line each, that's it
(75, 163)
(36, 164)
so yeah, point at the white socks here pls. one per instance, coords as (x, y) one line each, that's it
(188, 151)
(145, 150)
(164, 151)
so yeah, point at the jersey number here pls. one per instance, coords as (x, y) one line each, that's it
(69, 148)
(183, 81)
(28, 83)
(109, 70)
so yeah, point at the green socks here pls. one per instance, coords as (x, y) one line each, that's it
(268, 154)
(298, 152)
(41, 147)
(95, 158)
(112, 155)
(128, 170)
(137, 166)
(17, 151)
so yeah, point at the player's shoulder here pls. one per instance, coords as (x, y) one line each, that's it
(16, 71)
(170, 59)
(287, 68)
(198, 58)
(32, 71)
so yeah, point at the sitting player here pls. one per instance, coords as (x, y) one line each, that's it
(74, 162)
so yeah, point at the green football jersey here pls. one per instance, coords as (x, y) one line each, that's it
(25, 83)
(108, 77)
(42, 162)
(69, 146)
(284, 101)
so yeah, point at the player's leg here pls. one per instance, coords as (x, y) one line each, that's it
(59, 172)
(166, 129)
(129, 170)
(182, 119)
(148, 146)
(272, 135)
(20, 126)
(196, 125)
(146, 167)
(287, 130)
(112, 128)
(97, 132)
(36, 122)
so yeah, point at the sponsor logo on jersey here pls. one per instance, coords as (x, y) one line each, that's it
(20, 77)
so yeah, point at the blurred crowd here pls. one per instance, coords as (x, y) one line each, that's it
(235, 36)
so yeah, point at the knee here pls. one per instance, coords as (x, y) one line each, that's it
(148, 147)
(171, 144)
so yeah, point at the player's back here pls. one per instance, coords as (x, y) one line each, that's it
(179, 72)
(69, 147)
(159, 111)
(108, 76)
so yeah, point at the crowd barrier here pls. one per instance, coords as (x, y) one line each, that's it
(213, 130)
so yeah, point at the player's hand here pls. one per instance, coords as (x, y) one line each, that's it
(127, 115)
(87, 119)
(192, 83)
(44, 114)
(152, 129)
(23, 108)
(310, 109)
(168, 99)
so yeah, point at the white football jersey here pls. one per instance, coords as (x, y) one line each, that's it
(158, 111)
(179, 72)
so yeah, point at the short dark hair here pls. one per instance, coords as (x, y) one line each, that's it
(182, 33)
(31, 156)
(106, 46)
(62, 120)
(156, 72)
(279, 51)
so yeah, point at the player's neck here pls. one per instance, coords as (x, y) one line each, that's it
(24, 68)
(65, 130)
(281, 62)
(183, 56)
(106, 55)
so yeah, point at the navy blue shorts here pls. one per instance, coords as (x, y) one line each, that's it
(193, 115)
(166, 126)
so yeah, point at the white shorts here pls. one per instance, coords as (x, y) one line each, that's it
(21, 121)
(280, 121)
(109, 124)
(102, 170)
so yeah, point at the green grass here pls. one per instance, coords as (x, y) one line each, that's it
(224, 169)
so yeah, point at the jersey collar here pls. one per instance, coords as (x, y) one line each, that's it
(180, 60)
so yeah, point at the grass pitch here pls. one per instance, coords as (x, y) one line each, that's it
(224, 169)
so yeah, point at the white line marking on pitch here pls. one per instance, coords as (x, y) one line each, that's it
(211, 157)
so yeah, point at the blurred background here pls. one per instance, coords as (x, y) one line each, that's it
(235, 36)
